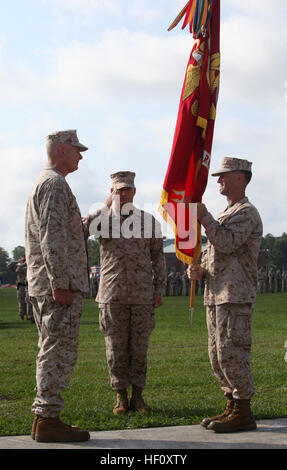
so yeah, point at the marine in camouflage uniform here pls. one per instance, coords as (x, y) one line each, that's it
(271, 279)
(186, 284)
(25, 306)
(167, 285)
(179, 283)
(261, 280)
(230, 268)
(278, 280)
(173, 282)
(57, 278)
(132, 275)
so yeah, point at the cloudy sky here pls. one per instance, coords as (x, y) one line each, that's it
(110, 69)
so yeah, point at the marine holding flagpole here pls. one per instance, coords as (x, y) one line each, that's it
(229, 264)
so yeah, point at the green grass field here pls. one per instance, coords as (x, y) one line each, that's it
(180, 385)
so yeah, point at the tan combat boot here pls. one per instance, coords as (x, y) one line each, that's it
(229, 407)
(122, 404)
(54, 430)
(241, 419)
(34, 426)
(137, 402)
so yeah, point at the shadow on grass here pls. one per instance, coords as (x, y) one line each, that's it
(7, 398)
(14, 325)
(159, 417)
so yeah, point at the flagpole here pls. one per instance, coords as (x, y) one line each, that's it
(192, 300)
(192, 293)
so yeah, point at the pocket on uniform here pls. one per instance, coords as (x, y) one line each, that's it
(239, 330)
(56, 319)
(103, 323)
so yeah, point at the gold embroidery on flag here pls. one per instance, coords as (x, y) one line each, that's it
(195, 108)
(193, 74)
(192, 80)
(180, 255)
(202, 122)
(212, 113)
(214, 71)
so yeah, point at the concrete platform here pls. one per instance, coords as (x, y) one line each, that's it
(270, 434)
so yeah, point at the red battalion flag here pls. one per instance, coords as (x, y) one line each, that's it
(188, 168)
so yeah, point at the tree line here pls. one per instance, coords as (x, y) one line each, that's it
(277, 250)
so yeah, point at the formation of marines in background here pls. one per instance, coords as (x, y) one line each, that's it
(269, 280)
(25, 307)
(272, 280)
(132, 281)
(178, 283)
